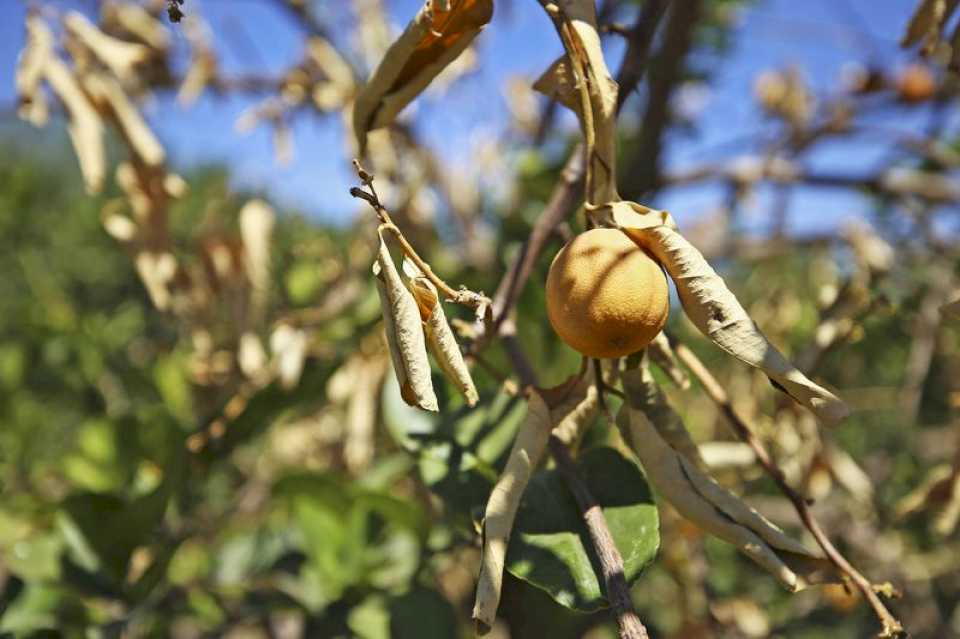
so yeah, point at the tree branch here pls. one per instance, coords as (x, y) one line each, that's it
(891, 627)
(644, 168)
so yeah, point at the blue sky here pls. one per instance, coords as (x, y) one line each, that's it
(819, 36)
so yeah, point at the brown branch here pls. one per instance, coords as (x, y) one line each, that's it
(931, 186)
(644, 168)
(891, 627)
(558, 207)
(302, 15)
(639, 39)
(611, 562)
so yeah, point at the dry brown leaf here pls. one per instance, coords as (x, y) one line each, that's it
(137, 22)
(927, 23)
(698, 498)
(584, 52)
(31, 101)
(404, 332)
(559, 83)
(288, 346)
(117, 55)
(528, 449)
(86, 127)
(143, 143)
(431, 41)
(440, 338)
(644, 394)
(575, 410)
(256, 230)
(716, 312)
(666, 360)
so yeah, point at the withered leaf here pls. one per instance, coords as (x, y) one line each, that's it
(559, 83)
(927, 23)
(404, 331)
(645, 395)
(256, 229)
(431, 41)
(573, 407)
(440, 338)
(288, 345)
(86, 127)
(661, 353)
(136, 132)
(32, 103)
(697, 497)
(119, 56)
(528, 449)
(713, 309)
(562, 81)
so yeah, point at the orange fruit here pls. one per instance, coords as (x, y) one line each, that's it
(606, 296)
(916, 84)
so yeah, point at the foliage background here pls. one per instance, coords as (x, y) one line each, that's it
(113, 524)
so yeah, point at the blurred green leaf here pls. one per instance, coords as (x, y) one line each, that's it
(422, 614)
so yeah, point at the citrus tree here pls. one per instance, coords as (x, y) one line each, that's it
(492, 419)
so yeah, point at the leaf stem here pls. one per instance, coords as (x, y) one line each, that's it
(477, 301)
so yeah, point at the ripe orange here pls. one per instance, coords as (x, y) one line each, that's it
(916, 84)
(606, 297)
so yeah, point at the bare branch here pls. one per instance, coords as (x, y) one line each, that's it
(891, 626)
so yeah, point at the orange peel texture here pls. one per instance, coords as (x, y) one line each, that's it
(606, 296)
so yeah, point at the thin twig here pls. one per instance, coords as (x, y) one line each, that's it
(463, 296)
(891, 627)
(611, 562)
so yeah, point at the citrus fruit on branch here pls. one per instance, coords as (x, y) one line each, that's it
(606, 296)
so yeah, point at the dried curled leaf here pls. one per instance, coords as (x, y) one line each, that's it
(138, 135)
(927, 23)
(528, 449)
(256, 228)
(644, 394)
(135, 21)
(582, 82)
(431, 41)
(31, 101)
(559, 83)
(86, 127)
(700, 499)
(666, 360)
(573, 407)
(939, 491)
(119, 56)
(404, 331)
(288, 345)
(440, 338)
(716, 312)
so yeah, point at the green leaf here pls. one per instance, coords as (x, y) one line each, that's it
(550, 547)
(103, 529)
(422, 614)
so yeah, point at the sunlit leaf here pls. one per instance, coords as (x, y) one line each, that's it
(431, 41)
(550, 546)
